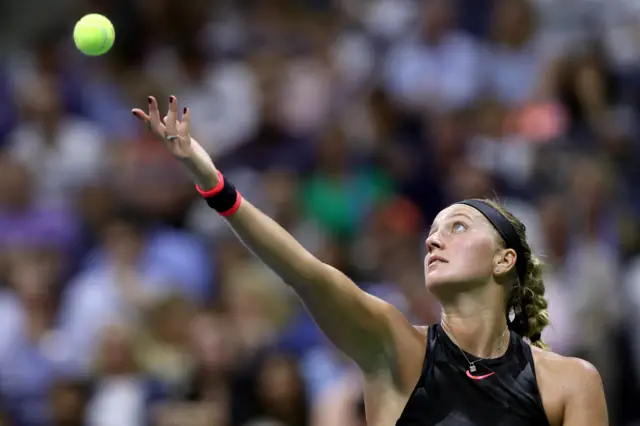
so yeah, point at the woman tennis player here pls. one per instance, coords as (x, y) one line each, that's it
(484, 364)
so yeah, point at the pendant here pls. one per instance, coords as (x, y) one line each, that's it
(472, 368)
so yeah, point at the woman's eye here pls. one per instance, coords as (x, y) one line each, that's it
(458, 227)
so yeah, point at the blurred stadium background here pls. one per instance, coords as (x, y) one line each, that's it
(126, 302)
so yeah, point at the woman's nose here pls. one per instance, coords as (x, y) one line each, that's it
(434, 242)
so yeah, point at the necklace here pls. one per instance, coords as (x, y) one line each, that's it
(472, 364)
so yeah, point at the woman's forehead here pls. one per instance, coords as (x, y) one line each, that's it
(457, 210)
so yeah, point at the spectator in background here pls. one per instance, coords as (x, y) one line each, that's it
(69, 399)
(468, 182)
(589, 90)
(95, 204)
(280, 392)
(222, 384)
(116, 285)
(46, 58)
(340, 194)
(146, 183)
(33, 352)
(571, 24)
(352, 60)
(123, 394)
(258, 305)
(383, 19)
(305, 88)
(509, 157)
(28, 220)
(59, 150)
(516, 62)
(164, 342)
(437, 67)
(336, 402)
(280, 192)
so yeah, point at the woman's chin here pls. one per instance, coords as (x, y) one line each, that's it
(444, 286)
(439, 281)
(436, 280)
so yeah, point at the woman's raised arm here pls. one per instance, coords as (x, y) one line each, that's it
(364, 327)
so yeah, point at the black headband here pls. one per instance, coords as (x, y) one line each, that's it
(505, 229)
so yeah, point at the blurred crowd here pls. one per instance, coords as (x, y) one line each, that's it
(125, 301)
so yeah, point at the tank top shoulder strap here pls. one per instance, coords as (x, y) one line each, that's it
(526, 351)
(427, 364)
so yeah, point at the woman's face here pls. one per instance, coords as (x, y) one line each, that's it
(461, 249)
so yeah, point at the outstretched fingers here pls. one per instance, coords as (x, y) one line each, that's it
(185, 127)
(172, 117)
(167, 126)
(140, 115)
(151, 119)
(154, 112)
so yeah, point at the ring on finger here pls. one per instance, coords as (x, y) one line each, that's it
(171, 137)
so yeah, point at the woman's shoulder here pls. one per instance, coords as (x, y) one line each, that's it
(562, 379)
(562, 367)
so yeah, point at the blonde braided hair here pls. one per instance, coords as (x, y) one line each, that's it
(527, 296)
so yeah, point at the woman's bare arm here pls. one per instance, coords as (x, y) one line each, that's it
(359, 324)
(365, 328)
(585, 401)
(571, 390)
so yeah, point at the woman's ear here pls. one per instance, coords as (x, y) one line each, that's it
(505, 261)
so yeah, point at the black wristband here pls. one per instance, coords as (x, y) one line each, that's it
(224, 198)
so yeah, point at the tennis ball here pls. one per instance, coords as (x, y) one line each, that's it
(94, 34)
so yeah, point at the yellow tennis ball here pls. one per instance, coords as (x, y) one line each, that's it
(94, 34)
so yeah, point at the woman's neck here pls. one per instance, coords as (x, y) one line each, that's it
(477, 328)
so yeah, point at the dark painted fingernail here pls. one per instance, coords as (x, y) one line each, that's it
(134, 113)
(149, 99)
(170, 99)
(184, 111)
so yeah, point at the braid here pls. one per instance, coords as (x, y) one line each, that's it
(527, 297)
(534, 304)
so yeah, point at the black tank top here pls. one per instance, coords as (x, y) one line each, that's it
(508, 394)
